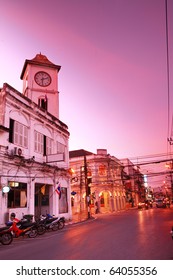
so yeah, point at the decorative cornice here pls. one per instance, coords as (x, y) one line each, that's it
(3, 128)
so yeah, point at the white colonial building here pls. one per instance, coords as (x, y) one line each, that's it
(34, 155)
(97, 176)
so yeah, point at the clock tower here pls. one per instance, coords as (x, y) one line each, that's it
(40, 83)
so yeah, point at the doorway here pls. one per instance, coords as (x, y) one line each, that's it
(41, 199)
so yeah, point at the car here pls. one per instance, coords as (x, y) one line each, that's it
(141, 205)
(160, 203)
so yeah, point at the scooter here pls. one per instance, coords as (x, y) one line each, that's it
(53, 223)
(6, 236)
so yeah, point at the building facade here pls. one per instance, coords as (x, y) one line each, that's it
(133, 181)
(96, 179)
(34, 153)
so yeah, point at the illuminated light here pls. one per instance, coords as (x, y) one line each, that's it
(6, 189)
(100, 194)
(14, 184)
(145, 178)
(84, 195)
(169, 165)
(71, 171)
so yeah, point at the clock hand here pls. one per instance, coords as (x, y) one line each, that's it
(44, 78)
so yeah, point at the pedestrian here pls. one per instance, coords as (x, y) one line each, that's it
(96, 208)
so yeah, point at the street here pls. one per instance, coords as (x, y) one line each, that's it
(126, 235)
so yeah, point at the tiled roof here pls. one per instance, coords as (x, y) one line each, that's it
(39, 59)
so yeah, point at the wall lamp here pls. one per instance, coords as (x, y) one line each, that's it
(5, 189)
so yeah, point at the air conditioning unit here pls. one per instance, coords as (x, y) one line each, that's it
(17, 151)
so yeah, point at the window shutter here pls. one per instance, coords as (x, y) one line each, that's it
(11, 130)
(44, 147)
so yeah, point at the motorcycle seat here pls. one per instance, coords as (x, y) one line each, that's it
(3, 228)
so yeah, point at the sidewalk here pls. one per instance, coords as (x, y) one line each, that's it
(81, 217)
(78, 217)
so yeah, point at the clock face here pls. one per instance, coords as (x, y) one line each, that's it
(42, 78)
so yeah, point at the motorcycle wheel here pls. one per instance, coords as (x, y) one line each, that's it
(55, 227)
(61, 225)
(6, 238)
(33, 233)
(41, 229)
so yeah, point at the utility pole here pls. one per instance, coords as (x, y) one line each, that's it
(87, 187)
(80, 192)
(171, 178)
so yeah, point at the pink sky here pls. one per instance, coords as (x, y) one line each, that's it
(113, 80)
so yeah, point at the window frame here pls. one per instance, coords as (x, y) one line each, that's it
(38, 142)
(15, 195)
(49, 145)
(18, 134)
(60, 147)
(43, 102)
(42, 143)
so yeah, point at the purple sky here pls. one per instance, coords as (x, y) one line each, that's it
(113, 80)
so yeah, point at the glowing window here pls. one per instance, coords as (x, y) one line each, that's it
(102, 170)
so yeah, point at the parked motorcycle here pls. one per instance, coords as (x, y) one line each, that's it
(18, 229)
(26, 221)
(61, 223)
(52, 223)
(6, 236)
(172, 232)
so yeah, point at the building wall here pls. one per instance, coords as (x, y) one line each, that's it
(106, 189)
(20, 163)
(133, 181)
